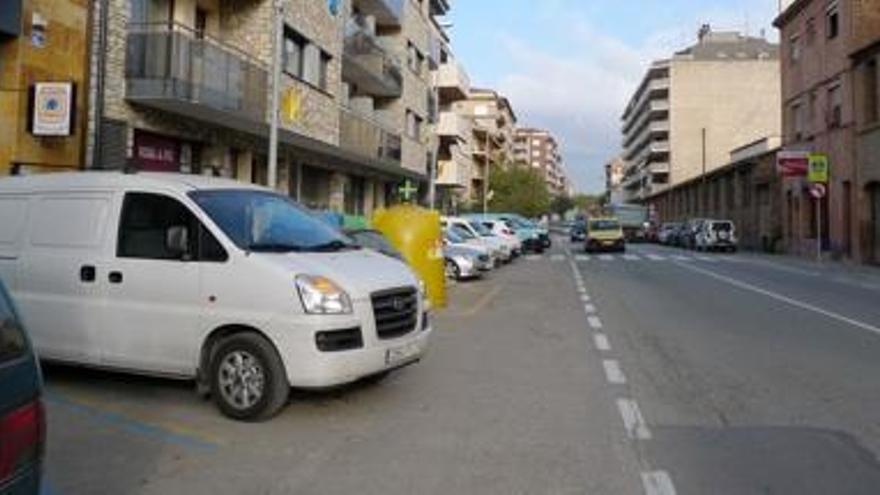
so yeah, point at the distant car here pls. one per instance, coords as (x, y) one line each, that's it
(687, 237)
(578, 231)
(22, 418)
(500, 229)
(716, 235)
(462, 259)
(604, 234)
(500, 250)
(375, 240)
(667, 232)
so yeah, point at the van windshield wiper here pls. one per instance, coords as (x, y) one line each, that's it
(277, 247)
(333, 246)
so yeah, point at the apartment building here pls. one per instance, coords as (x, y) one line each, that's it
(184, 86)
(493, 122)
(827, 73)
(691, 109)
(539, 150)
(43, 74)
(455, 161)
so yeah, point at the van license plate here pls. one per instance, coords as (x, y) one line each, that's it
(401, 354)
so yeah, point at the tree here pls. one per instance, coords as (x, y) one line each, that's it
(518, 190)
(586, 203)
(561, 204)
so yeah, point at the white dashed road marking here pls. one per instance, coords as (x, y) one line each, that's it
(595, 322)
(679, 257)
(589, 309)
(656, 257)
(533, 257)
(585, 298)
(582, 257)
(658, 483)
(602, 343)
(606, 257)
(631, 257)
(787, 300)
(633, 422)
(557, 257)
(613, 372)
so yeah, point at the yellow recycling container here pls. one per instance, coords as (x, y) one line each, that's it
(415, 232)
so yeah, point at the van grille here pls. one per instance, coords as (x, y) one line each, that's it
(396, 312)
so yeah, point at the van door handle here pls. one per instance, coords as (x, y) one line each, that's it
(87, 273)
(115, 277)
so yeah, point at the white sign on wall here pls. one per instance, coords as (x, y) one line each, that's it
(52, 109)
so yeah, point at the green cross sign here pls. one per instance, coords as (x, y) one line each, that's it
(407, 190)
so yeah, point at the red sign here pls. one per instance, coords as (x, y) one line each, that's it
(156, 153)
(793, 163)
(818, 190)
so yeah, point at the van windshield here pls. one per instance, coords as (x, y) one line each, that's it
(268, 222)
(604, 225)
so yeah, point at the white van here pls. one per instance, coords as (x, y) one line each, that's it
(200, 278)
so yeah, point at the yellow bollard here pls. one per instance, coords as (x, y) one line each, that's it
(415, 232)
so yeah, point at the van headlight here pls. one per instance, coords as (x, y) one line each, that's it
(423, 289)
(321, 296)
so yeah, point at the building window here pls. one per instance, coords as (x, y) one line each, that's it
(305, 60)
(797, 122)
(413, 125)
(415, 59)
(832, 21)
(794, 49)
(872, 92)
(811, 31)
(835, 104)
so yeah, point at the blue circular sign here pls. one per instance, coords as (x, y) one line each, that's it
(334, 5)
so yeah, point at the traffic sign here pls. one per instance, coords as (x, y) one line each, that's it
(818, 190)
(818, 168)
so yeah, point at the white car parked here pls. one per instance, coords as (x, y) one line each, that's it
(502, 250)
(229, 284)
(501, 230)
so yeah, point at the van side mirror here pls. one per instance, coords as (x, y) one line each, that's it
(177, 241)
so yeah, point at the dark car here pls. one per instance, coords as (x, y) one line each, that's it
(22, 418)
(578, 231)
(375, 240)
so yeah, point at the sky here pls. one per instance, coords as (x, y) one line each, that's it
(570, 66)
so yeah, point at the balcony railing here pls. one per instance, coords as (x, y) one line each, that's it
(367, 138)
(452, 82)
(386, 12)
(168, 63)
(368, 64)
(454, 125)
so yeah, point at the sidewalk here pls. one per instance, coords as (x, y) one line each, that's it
(864, 276)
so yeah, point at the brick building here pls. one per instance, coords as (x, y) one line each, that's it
(819, 115)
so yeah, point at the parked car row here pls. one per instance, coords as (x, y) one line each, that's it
(476, 244)
(700, 234)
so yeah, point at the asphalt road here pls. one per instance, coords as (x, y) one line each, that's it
(655, 373)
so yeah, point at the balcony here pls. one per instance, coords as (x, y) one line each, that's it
(366, 137)
(170, 68)
(454, 125)
(387, 12)
(367, 64)
(452, 82)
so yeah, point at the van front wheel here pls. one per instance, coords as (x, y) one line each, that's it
(248, 381)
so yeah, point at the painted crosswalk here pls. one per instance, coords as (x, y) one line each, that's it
(630, 257)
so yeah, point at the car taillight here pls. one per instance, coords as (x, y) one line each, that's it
(22, 437)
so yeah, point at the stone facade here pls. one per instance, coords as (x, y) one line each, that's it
(62, 56)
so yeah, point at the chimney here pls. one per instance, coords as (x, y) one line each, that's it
(704, 31)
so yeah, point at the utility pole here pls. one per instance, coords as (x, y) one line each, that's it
(486, 175)
(435, 156)
(278, 43)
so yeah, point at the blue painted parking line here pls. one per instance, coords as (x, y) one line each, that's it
(130, 425)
